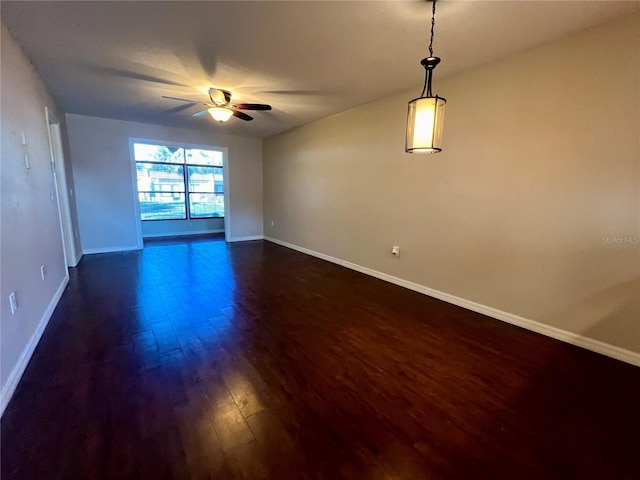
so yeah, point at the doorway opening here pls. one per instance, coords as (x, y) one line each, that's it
(61, 190)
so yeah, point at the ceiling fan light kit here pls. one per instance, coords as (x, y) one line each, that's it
(221, 109)
(220, 114)
(425, 118)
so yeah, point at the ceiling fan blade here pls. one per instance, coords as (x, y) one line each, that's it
(292, 92)
(132, 74)
(242, 116)
(178, 109)
(252, 106)
(182, 99)
(200, 113)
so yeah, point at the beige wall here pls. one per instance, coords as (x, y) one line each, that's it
(541, 162)
(99, 150)
(30, 227)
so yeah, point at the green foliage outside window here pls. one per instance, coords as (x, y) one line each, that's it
(168, 191)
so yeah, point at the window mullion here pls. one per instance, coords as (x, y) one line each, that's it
(187, 198)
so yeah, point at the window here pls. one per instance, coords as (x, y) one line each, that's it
(176, 183)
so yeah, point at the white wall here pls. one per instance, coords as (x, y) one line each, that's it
(194, 226)
(30, 229)
(541, 161)
(103, 178)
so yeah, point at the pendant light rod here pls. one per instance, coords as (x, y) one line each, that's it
(429, 64)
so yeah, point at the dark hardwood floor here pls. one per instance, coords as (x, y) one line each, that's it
(201, 360)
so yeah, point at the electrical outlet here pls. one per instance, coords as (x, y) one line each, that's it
(42, 271)
(13, 303)
(395, 250)
(272, 223)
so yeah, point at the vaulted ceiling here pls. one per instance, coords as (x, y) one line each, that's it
(308, 59)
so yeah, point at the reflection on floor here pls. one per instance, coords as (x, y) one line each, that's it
(195, 359)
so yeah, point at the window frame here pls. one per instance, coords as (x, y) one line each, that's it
(185, 165)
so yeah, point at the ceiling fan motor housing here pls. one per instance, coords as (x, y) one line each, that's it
(219, 97)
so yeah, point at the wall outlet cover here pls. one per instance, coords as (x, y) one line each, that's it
(13, 302)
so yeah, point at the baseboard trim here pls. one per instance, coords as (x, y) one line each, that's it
(9, 387)
(91, 251)
(563, 335)
(182, 234)
(246, 239)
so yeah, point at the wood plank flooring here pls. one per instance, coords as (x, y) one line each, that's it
(195, 359)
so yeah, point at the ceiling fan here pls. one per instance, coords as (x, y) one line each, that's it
(221, 108)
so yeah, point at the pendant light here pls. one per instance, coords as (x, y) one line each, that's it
(426, 113)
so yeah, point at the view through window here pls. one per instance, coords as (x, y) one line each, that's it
(176, 183)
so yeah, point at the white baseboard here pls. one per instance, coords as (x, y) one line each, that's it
(16, 374)
(91, 251)
(182, 234)
(246, 239)
(547, 330)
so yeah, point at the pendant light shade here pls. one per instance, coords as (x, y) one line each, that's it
(425, 118)
(425, 125)
(220, 114)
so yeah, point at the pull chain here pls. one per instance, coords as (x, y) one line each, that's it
(433, 24)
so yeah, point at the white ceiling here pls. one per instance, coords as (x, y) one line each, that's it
(307, 59)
